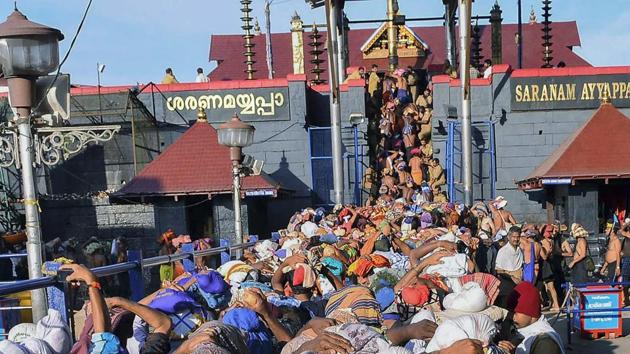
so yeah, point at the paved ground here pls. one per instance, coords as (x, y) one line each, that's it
(587, 346)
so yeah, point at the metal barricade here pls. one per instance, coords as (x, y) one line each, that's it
(575, 313)
(134, 267)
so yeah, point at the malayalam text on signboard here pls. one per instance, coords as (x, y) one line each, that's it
(569, 92)
(250, 104)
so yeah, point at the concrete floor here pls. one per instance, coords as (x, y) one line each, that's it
(589, 346)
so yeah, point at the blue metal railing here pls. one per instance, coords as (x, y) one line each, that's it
(454, 158)
(136, 264)
(12, 255)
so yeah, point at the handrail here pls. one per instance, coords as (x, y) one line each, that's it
(29, 284)
(44, 282)
(112, 269)
(13, 255)
(584, 285)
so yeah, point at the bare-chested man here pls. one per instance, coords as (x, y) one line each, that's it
(503, 219)
(612, 262)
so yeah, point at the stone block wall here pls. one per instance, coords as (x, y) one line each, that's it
(523, 139)
(86, 218)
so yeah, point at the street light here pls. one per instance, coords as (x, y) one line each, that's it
(236, 135)
(355, 120)
(28, 50)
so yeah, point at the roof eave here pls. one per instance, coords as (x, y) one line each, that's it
(536, 182)
(210, 194)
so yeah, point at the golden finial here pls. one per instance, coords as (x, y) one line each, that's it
(201, 115)
(257, 30)
(532, 16)
(605, 98)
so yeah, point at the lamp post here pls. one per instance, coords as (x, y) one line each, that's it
(355, 120)
(236, 135)
(28, 50)
(465, 9)
(332, 15)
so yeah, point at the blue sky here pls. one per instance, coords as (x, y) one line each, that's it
(137, 39)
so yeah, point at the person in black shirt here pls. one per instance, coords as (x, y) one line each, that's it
(6, 266)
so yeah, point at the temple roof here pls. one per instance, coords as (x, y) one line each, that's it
(382, 30)
(195, 164)
(227, 50)
(591, 152)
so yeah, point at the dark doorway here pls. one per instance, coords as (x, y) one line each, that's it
(613, 201)
(199, 217)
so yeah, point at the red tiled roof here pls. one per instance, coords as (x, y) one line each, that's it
(594, 151)
(194, 164)
(227, 50)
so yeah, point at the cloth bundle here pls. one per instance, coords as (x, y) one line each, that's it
(474, 326)
(258, 339)
(451, 266)
(365, 264)
(360, 301)
(50, 335)
(470, 298)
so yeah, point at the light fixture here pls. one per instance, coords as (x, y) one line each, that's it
(28, 48)
(356, 119)
(235, 134)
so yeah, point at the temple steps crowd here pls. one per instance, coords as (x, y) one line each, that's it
(408, 272)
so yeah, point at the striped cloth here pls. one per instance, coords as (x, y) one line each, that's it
(360, 301)
(488, 282)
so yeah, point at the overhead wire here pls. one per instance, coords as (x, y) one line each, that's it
(66, 56)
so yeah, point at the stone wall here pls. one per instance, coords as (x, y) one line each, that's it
(85, 218)
(281, 141)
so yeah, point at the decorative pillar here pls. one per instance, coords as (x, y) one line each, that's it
(392, 34)
(316, 51)
(495, 24)
(247, 36)
(547, 34)
(476, 56)
(297, 43)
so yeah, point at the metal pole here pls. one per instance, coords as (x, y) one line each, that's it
(341, 46)
(392, 34)
(133, 141)
(98, 85)
(519, 42)
(464, 63)
(236, 197)
(448, 32)
(31, 209)
(357, 176)
(335, 107)
(268, 39)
